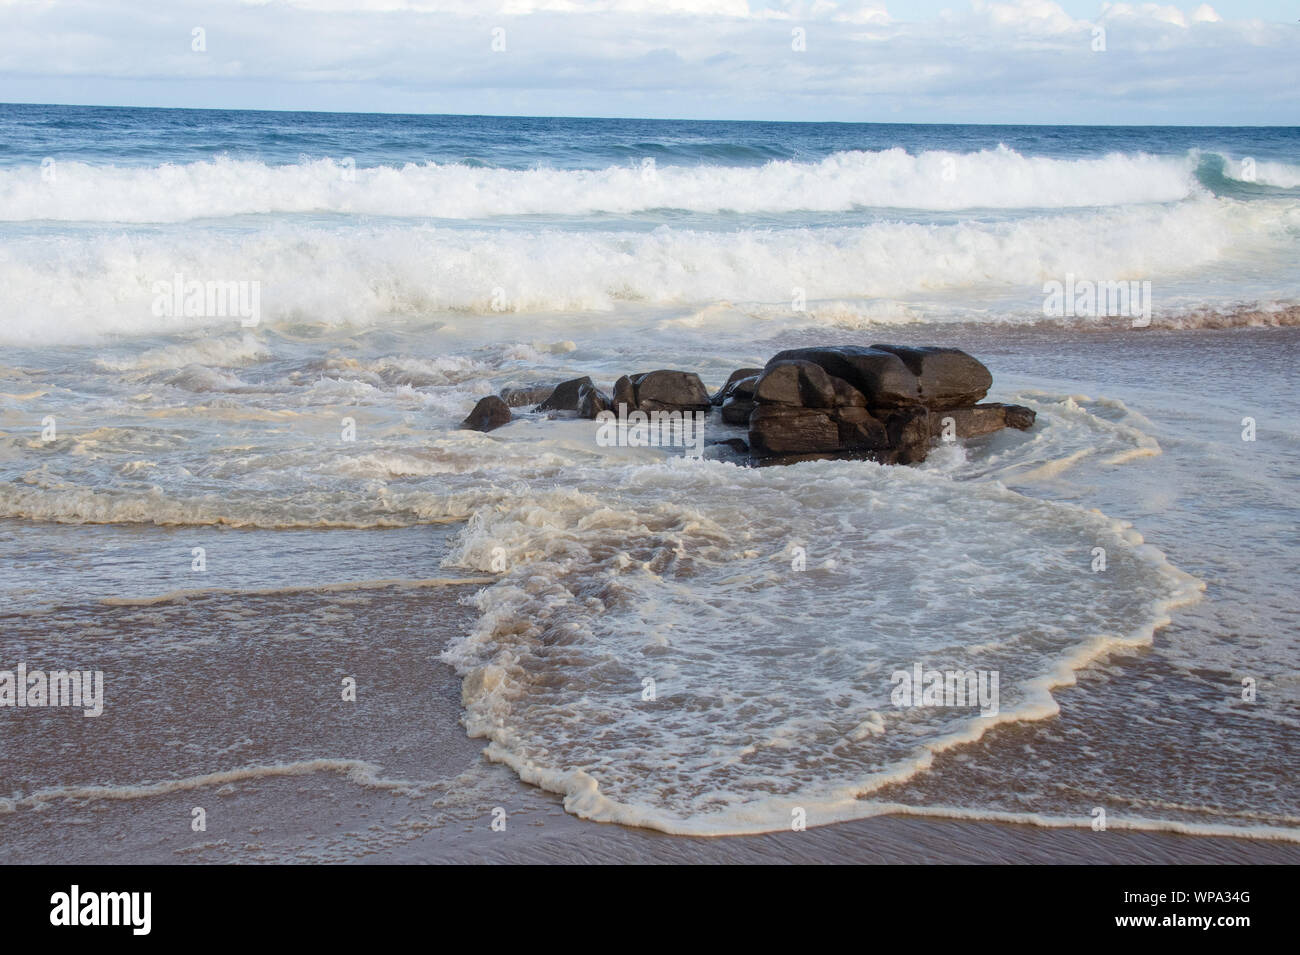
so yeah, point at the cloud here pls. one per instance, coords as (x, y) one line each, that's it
(995, 61)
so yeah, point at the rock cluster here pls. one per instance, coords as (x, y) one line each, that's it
(887, 402)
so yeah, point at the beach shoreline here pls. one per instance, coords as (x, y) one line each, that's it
(242, 681)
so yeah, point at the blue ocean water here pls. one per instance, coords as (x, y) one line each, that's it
(133, 136)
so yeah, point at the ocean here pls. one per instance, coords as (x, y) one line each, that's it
(231, 505)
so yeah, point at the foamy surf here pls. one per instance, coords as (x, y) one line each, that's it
(772, 687)
(91, 287)
(358, 771)
(999, 178)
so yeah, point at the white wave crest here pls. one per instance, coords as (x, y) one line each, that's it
(79, 288)
(893, 178)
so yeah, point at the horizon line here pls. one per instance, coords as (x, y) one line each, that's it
(650, 119)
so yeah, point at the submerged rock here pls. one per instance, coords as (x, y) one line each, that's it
(490, 413)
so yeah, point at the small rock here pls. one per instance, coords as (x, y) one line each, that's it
(670, 391)
(807, 385)
(591, 401)
(796, 382)
(737, 375)
(525, 397)
(564, 397)
(625, 393)
(1020, 417)
(737, 411)
(490, 413)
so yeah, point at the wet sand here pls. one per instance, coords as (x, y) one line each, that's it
(401, 782)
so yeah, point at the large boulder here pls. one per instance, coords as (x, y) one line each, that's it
(490, 413)
(881, 376)
(564, 397)
(946, 377)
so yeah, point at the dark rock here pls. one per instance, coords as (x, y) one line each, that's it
(624, 394)
(670, 391)
(1020, 417)
(806, 385)
(859, 430)
(948, 377)
(592, 401)
(846, 396)
(908, 430)
(795, 382)
(737, 411)
(743, 388)
(976, 420)
(785, 429)
(524, 397)
(881, 376)
(564, 397)
(490, 412)
(736, 444)
(737, 375)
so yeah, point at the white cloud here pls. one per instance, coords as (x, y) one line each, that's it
(1042, 16)
(999, 61)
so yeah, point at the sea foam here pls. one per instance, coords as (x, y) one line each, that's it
(893, 178)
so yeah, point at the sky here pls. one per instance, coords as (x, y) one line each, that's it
(1236, 62)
